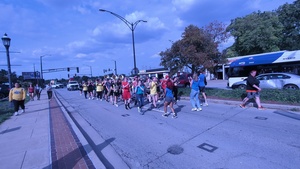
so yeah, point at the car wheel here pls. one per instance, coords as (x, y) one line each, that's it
(291, 86)
(242, 87)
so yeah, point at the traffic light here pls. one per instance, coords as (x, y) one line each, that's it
(77, 69)
(68, 69)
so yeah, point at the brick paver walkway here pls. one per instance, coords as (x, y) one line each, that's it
(66, 149)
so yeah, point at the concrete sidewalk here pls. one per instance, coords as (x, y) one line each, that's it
(44, 137)
(25, 139)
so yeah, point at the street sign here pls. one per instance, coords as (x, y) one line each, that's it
(31, 75)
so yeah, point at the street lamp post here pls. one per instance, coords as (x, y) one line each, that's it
(115, 66)
(132, 27)
(6, 43)
(41, 63)
(90, 70)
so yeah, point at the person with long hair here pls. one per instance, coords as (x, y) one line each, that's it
(169, 98)
(126, 93)
(194, 95)
(153, 91)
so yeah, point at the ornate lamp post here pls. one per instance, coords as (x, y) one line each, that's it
(6, 43)
(132, 27)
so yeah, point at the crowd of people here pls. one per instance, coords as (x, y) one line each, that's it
(139, 90)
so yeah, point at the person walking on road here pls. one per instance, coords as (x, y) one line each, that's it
(153, 91)
(169, 98)
(126, 93)
(139, 91)
(17, 95)
(253, 91)
(49, 91)
(202, 84)
(194, 95)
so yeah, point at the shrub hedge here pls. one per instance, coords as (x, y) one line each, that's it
(291, 97)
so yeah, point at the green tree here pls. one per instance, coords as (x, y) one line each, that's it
(198, 48)
(258, 32)
(289, 16)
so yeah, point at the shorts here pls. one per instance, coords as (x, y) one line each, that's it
(169, 99)
(251, 95)
(202, 89)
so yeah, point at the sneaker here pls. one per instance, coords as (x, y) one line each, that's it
(242, 106)
(199, 109)
(205, 104)
(16, 113)
(116, 105)
(261, 108)
(194, 109)
(174, 116)
(139, 109)
(165, 115)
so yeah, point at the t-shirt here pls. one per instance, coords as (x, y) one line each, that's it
(140, 89)
(169, 93)
(153, 88)
(17, 94)
(195, 85)
(202, 80)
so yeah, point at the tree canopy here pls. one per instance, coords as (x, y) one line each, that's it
(289, 16)
(198, 48)
(262, 32)
(258, 32)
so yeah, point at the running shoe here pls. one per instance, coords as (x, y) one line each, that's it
(174, 116)
(116, 105)
(261, 108)
(242, 106)
(16, 113)
(199, 109)
(205, 104)
(139, 109)
(165, 115)
(194, 109)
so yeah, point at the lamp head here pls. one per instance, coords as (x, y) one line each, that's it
(6, 40)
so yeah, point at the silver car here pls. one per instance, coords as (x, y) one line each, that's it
(273, 81)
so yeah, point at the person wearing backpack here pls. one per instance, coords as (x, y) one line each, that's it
(17, 95)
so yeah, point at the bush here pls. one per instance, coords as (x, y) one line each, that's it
(267, 95)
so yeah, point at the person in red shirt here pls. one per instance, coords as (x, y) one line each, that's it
(31, 92)
(126, 93)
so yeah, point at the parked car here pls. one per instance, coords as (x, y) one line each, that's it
(184, 80)
(273, 81)
(4, 91)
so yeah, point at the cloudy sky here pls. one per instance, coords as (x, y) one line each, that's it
(74, 33)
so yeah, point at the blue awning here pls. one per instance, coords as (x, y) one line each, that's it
(259, 59)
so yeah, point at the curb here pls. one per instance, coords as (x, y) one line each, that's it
(107, 156)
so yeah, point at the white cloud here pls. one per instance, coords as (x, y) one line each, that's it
(183, 5)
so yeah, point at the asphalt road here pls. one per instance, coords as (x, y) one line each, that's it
(220, 136)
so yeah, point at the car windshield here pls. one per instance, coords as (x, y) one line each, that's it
(73, 82)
